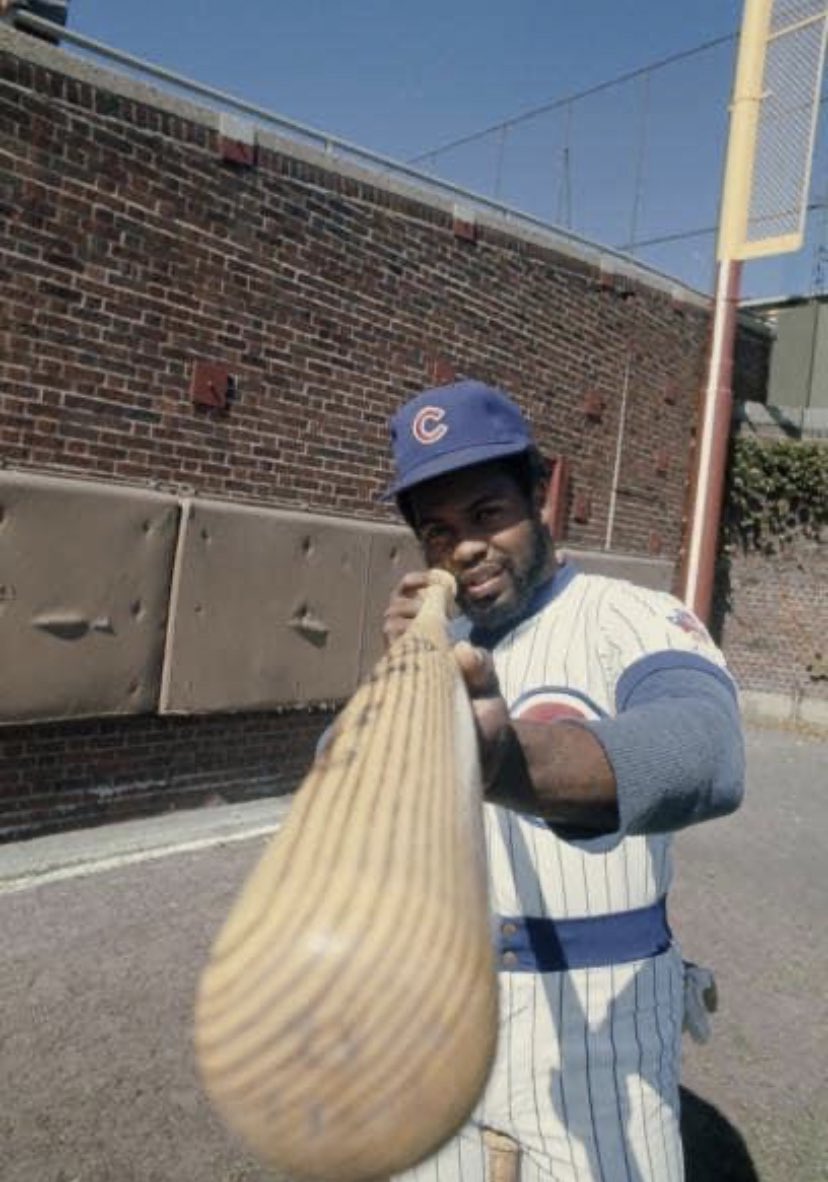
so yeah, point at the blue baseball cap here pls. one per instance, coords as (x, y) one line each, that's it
(453, 427)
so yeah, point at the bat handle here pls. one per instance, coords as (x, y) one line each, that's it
(438, 600)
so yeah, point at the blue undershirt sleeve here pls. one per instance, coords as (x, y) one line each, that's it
(676, 745)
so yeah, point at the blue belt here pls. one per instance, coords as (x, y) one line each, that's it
(527, 945)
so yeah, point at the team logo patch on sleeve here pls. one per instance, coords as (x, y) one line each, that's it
(692, 625)
(555, 705)
(551, 705)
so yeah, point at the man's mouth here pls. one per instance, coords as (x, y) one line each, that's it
(483, 584)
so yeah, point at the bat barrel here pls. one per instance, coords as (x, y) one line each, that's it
(346, 1020)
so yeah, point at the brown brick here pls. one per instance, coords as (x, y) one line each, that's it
(136, 251)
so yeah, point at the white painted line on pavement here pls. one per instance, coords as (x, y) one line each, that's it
(97, 865)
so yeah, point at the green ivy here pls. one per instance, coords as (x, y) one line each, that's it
(777, 491)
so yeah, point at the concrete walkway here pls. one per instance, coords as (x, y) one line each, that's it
(83, 852)
(105, 931)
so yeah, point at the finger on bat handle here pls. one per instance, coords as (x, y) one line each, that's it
(398, 618)
(432, 589)
(412, 584)
(447, 585)
(438, 598)
(427, 614)
(478, 670)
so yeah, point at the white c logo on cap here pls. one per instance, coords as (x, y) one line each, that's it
(428, 426)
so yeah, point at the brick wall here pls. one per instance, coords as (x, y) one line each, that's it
(774, 632)
(130, 249)
(772, 609)
(62, 775)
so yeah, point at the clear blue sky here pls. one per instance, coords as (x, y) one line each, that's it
(401, 78)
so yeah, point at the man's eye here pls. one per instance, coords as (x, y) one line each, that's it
(488, 513)
(435, 535)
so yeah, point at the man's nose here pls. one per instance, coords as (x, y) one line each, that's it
(468, 551)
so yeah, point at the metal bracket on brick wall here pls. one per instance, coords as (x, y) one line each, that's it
(237, 141)
(442, 371)
(464, 223)
(211, 385)
(581, 508)
(594, 405)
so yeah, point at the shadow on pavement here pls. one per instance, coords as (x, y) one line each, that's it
(714, 1151)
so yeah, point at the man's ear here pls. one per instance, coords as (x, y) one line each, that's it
(540, 499)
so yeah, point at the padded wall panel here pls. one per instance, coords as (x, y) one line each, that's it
(84, 582)
(655, 573)
(393, 552)
(268, 609)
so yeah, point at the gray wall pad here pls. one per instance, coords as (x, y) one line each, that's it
(272, 608)
(656, 573)
(116, 600)
(85, 573)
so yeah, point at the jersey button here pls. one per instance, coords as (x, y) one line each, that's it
(509, 959)
(509, 929)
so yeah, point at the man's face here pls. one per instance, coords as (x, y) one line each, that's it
(478, 525)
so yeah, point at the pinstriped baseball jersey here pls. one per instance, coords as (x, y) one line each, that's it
(565, 661)
(586, 1075)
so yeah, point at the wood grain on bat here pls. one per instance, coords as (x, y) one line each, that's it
(346, 1020)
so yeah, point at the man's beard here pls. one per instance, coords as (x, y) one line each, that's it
(524, 583)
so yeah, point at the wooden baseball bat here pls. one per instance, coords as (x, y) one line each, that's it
(347, 1018)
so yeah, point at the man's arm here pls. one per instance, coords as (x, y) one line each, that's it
(673, 756)
(558, 771)
(676, 744)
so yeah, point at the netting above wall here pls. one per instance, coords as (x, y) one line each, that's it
(636, 163)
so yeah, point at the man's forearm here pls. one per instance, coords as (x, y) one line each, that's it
(557, 771)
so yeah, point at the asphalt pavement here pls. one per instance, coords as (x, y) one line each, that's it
(104, 933)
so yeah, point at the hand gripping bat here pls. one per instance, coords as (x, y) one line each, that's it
(346, 1020)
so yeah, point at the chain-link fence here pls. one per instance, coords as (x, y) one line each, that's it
(636, 164)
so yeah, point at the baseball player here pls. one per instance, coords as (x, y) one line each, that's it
(607, 720)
